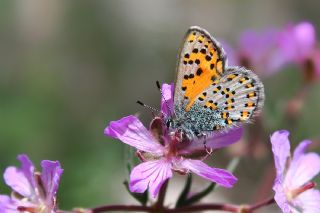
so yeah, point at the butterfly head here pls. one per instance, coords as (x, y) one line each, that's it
(169, 123)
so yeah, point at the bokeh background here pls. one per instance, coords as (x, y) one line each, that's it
(68, 68)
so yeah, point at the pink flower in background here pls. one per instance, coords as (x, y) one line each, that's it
(298, 41)
(256, 51)
(298, 45)
(32, 191)
(267, 52)
(293, 190)
(164, 153)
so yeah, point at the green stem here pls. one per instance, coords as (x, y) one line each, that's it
(162, 195)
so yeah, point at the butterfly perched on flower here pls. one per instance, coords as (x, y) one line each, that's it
(209, 95)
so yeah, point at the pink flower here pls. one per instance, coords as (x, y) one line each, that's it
(293, 190)
(298, 41)
(267, 52)
(257, 51)
(32, 191)
(162, 153)
(298, 45)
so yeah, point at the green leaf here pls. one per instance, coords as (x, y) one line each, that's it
(197, 197)
(233, 164)
(129, 167)
(184, 194)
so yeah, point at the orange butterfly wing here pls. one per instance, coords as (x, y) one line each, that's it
(201, 62)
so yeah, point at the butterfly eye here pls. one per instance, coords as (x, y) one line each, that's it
(197, 133)
(169, 123)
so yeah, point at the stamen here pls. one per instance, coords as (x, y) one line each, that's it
(140, 156)
(295, 192)
(41, 188)
(26, 209)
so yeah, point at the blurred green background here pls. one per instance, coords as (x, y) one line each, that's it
(68, 68)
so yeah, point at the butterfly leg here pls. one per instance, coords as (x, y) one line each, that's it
(140, 156)
(208, 149)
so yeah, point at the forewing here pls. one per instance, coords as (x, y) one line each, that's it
(201, 61)
(237, 96)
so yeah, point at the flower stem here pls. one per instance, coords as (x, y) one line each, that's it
(260, 204)
(128, 208)
(204, 207)
(194, 208)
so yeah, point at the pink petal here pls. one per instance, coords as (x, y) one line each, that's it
(218, 140)
(260, 49)
(16, 179)
(223, 139)
(132, 132)
(8, 205)
(21, 180)
(50, 176)
(301, 148)
(281, 150)
(305, 37)
(27, 168)
(220, 176)
(309, 201)
(167, 99)
(280, 197)
(4, 199)
(256, 45)
(297, 42)
(302, 170)
(150, 174)
(231, 53)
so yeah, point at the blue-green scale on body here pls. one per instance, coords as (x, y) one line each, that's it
(196, 121)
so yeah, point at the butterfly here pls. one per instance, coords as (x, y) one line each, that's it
(209, 95)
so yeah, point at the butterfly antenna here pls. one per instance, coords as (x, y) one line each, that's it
(148, 107)
(166, 102)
